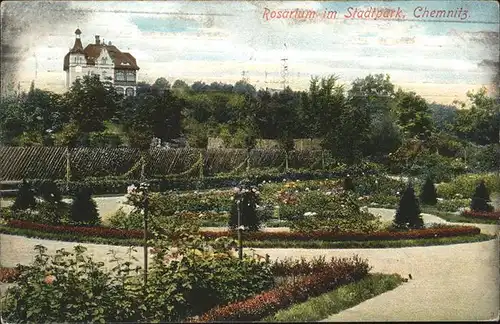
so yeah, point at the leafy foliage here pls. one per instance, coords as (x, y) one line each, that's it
(71, 287)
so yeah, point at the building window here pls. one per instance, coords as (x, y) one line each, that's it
(104, 60)
(131, 76)
(130, 91)
(120, 76)
(120, 90)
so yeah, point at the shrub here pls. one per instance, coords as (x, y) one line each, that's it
(452, 205)
(335, 212)
(49, 192)
(348, 184)
(244, 206)
(481, 198)
(25, 198)
(52, 213)
(84, 209)
(122, 220)
(428, 195)
(71, 287)
(408, 212)
(464, 186)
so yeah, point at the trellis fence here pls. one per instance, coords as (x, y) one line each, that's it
(17, 163)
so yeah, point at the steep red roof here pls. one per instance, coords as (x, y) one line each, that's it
(124, 61)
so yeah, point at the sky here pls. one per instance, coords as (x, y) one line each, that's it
(441, 58)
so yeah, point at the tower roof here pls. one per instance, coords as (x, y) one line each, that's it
(78, 31)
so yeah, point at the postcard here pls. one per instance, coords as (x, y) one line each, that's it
(199, 161)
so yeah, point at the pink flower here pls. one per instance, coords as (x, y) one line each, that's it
(49, 279)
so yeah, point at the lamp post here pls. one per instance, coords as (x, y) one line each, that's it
(240, 247)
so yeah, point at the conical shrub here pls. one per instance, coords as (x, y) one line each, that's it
(248, 199)
(408, 212)
(348, 185)
(428, 196)
(25, 198)
(481, 198)
(84, 209)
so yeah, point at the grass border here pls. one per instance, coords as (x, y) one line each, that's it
(311, 244)
(337, 300)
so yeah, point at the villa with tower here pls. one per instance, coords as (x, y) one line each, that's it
(104, 60)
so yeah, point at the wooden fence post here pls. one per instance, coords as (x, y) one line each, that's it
(248, 159)
(202, 162)
(68, 169)
(286, 160)
(322, 159)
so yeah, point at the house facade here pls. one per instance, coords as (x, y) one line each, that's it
(104, 60)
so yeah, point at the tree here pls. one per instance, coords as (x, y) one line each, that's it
(49, 191)
(479, 119)
(160, 86)
(428, 196)
(348, 184)
(414, 116)
(246, 199)
(84, 209)
(25, 198)
(408, 212)
(91, 103)
(481, 198)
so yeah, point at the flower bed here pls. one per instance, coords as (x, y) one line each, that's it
(96, 231)
(269, 302)
(485, 215)
(261, 236)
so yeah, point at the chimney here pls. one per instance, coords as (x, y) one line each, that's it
(97, 41)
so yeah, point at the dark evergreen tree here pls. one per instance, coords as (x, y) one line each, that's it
(50, 192)
(428, 196)
(248, 199)
(348, 184)
(408, 213)
(84, 209)
(481, 198)
(25, 198)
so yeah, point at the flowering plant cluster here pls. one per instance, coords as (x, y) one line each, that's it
(8, 274)
(338, 272)
(95, 231)
(486, 215)
(448, 231)
(136, 195)
(330, 236)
